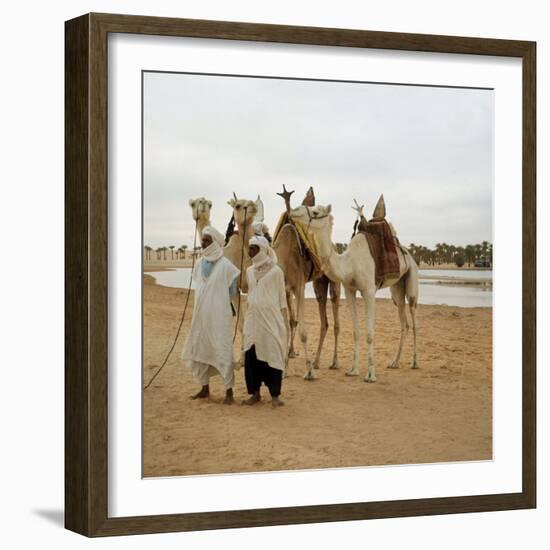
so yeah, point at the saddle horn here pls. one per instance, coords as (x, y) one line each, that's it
(286, 196)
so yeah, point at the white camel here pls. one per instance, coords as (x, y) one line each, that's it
(355, 269)
(200, 208)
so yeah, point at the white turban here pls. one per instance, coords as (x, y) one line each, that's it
(260, 242)
(215, 234)
(263, 261)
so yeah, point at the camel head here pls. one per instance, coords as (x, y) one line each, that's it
(201, 208)
(244, 210)
(316, 218)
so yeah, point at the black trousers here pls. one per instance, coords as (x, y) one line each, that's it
(256, 372)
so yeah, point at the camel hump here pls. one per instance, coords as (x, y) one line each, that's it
(309, 199)
(379, 212)
(287, 231)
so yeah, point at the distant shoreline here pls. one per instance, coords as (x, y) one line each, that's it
(454, 267)
(160, 265)
(438, 279)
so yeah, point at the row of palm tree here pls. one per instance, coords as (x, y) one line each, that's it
(168, 252)
(443, 253)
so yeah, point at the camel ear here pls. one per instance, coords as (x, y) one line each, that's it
(190, 202)
(210, 204)
(329, 208)
(309, 199)
(231, 202)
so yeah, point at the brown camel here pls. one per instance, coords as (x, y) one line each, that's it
(299, 268)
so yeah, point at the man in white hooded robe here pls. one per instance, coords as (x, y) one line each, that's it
(208, 349)
(265, 324)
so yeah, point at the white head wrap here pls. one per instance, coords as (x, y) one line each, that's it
(214, 251)
(215, 234)
(262, 262)
(260, 242)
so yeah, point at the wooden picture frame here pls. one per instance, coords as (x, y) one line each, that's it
(86, 281)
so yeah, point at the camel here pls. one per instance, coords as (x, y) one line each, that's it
(233, 250)
(244, 212)
(201, 208)
(355, 269)
(236, 249)
(299, 269)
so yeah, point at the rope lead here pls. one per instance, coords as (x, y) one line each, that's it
(184, 310)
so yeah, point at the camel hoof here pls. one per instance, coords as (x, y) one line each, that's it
(315, 365)
(415, 365)
(292, 354)
(352, 373)
(370, 379)
(309, 376)
(393, 365)
(334, 366)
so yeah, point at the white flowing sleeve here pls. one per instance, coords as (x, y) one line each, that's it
(196, 275)
(250, 279)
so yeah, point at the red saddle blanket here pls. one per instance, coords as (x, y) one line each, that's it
(382, 248)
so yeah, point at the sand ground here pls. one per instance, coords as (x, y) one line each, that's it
(441, 412)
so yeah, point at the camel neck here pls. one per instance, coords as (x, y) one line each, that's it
(331, 261)
(246, 235)
(201, 224)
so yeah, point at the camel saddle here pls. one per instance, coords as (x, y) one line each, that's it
(306, 244)
(382, 245)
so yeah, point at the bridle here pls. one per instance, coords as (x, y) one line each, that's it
(311, 218)
(201, 209)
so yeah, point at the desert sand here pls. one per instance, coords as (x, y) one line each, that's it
(439, 413)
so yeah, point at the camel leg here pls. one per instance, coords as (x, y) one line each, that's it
(293, 323)
(350, 299)
(368, 297)
(335, 299)
(321, 288)
(412, 309)
(411, 290)
(300, 306)
(398, 297)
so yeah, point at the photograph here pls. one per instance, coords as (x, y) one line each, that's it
(317, 262)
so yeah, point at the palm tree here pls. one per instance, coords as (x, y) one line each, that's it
(445, 252)
(172, 250)
(184, 248)
(478, 250)
(438, 252)
(451, 253)
(413, 250)
(470, 254)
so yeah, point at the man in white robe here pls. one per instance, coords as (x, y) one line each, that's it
(208, 350)
(265, 324)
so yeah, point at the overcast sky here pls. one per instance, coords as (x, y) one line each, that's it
(429, 150)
